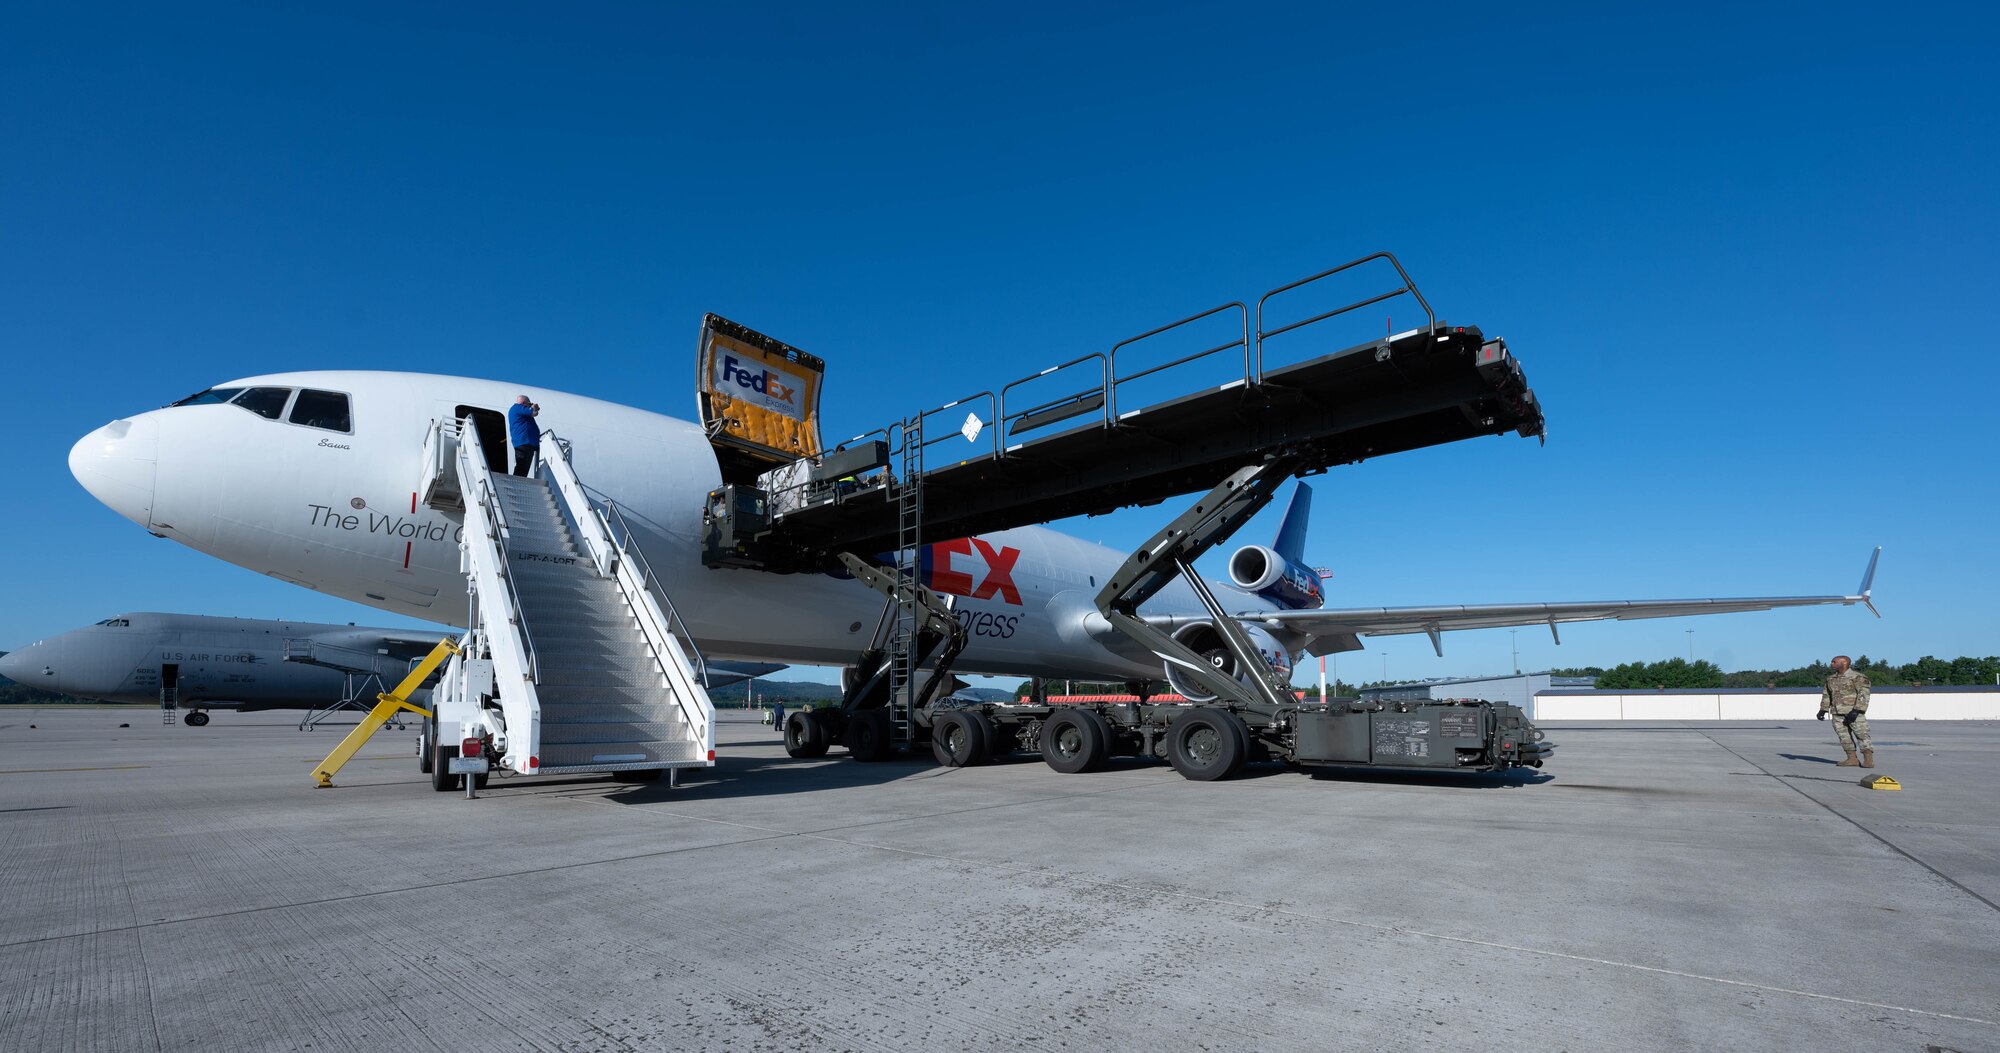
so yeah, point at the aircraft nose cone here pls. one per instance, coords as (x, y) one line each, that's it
(25, 665)
(116, 464)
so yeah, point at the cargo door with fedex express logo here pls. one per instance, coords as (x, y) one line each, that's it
(759, 399)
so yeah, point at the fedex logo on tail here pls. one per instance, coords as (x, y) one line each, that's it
(949, 566)
(763, 385)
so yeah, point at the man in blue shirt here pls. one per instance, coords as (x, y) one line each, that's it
(524, 433)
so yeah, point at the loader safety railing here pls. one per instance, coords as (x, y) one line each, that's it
(1101, 389)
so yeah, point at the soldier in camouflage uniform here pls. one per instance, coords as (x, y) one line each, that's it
(1846, 697)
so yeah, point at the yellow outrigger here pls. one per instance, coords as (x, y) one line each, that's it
(386, 706)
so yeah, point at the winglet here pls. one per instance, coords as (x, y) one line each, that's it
(1868, 582)
(1437, 641)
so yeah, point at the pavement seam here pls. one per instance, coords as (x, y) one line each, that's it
(145, 967)
(1259, 908)
(1891, 845)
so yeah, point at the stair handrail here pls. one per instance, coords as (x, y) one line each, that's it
(634, 577)
(501, 616)
(615, 525)
(659, 626)
(554, 461)
(615, 541)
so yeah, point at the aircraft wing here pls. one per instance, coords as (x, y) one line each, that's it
(1332, 631)
(723, 673)
(366, 648)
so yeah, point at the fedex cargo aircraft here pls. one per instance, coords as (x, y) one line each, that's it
(310, 477)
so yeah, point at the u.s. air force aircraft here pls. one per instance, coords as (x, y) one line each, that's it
(199, 662)
(308, 477)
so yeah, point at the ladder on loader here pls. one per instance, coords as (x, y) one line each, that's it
(576, 660)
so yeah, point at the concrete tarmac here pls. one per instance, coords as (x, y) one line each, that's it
(1657, 887)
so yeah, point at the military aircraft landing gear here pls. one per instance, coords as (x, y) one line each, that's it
(195, 719)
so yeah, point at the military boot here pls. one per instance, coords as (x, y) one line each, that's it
(1850, 762)
(1868, 758)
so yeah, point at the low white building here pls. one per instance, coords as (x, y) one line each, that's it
(1756, 703)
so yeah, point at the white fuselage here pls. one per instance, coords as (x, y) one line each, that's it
(336, 510)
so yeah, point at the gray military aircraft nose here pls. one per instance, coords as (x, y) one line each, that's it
(116, 463)
(29, 665)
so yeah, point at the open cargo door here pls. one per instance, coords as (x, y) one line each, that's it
(759, 399)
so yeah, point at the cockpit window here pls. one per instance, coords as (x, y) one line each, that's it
(322, 409)
(118, 623)
(203, 398)
(268, 403)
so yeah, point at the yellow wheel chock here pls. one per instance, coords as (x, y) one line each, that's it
(386, 706)
(1881, 782)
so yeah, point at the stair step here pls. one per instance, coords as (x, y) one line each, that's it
(554, 696)
(577, 576)
(575, 637)
(595, 624)
(568, 713)
(571, 652)
(552, 611)
(563, 667)
(647, 679)
(653, 731)
(585, 756)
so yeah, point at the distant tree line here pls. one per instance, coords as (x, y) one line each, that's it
(1927, 671)
(12, 694)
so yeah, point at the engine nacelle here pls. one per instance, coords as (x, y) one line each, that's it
(1263, 571)
(1203, 639)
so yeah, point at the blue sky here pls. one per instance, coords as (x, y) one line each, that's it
(1744, 252)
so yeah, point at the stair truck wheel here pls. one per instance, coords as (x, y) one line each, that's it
(1207, 744)
(442, 780)
(805, 736)
(1072, 742)
(958, 741)
(868, 735)
(427, 746)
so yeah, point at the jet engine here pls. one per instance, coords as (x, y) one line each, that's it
(1203, 639)
(1263, 571)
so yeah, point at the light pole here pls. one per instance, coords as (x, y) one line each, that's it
(1515, 645)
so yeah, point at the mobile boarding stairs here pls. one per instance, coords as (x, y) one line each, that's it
(576, 660)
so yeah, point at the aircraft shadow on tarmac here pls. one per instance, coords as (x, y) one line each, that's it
(743, 777)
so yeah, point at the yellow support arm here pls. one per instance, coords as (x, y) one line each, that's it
(386, 706)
